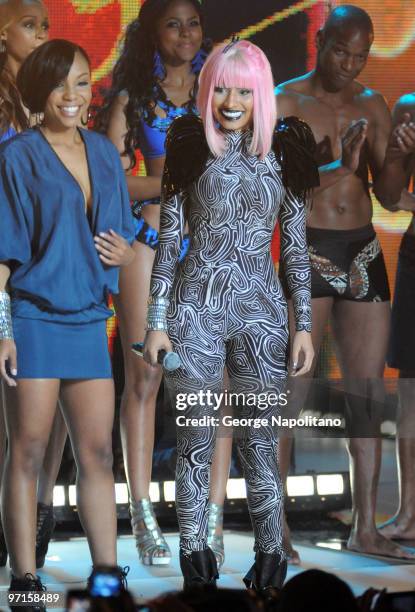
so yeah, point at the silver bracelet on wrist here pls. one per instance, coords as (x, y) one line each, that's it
(158, 301)
(157, 314)
(6, 327)
(157, 326)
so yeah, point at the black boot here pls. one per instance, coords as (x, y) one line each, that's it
(199, 569)
(267, 574)
(28, 584)
(3, 549)
(45, 526)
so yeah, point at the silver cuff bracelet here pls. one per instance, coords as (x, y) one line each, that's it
(157, 314)
(6, 328)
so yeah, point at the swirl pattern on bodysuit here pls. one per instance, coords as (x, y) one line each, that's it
(227, 308)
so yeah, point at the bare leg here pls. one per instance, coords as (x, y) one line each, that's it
(89, 414)
(402, 525)
(141, 381)
(361, 355)
(3, 548)
(2, 432)
(219, 472)
(30, 410)
(218, 480)
(138, 403)
(321, 309)
(49, 470)
(53, 459)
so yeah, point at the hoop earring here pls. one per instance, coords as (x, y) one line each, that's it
(85, 121)
(36, 119)
(159, 70)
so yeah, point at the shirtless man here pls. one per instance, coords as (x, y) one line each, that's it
(351, 124)
(391, 190)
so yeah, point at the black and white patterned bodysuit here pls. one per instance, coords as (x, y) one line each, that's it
(227, 308)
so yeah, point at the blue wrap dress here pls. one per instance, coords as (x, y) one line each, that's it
(59, 286)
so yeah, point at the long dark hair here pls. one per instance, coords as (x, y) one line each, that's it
(134, 72)
(11, 108)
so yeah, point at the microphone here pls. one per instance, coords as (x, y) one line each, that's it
(168, 359)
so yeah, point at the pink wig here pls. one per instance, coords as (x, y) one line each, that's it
(242, 65)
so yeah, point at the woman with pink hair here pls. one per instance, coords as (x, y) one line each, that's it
(232, 175)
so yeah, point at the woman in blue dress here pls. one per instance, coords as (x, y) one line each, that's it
(66, 227)
(154, 81)
(24, 25)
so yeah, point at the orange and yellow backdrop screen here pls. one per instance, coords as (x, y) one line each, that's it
(285, 30)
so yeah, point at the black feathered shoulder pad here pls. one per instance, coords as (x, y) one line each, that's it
(186, 153)
(294, 146)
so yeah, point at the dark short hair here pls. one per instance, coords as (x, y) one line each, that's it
(44, 69)
(345, 16)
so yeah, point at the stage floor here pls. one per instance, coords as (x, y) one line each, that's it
(68, 562)
(67, 567)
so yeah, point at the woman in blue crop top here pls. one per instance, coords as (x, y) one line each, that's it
(154, 82)
(24, 25)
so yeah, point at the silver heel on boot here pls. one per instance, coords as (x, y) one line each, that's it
(149, 539)
(215, 540)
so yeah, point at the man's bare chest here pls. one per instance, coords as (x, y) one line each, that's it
(329, 124)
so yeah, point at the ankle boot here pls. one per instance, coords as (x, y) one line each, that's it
(45, 526)
(199, 568)
(267, 574)
(28, 584)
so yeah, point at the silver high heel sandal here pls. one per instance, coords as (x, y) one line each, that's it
(149, 539)
(215, 541)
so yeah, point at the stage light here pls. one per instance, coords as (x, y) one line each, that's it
(154, 492)
(72, 495)
(121, 493)
(318, 492)
(59, 496)
(330, 484)
(331, 545)
(236, 488)
(305, 492)
(169, 491)
(299, 486)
